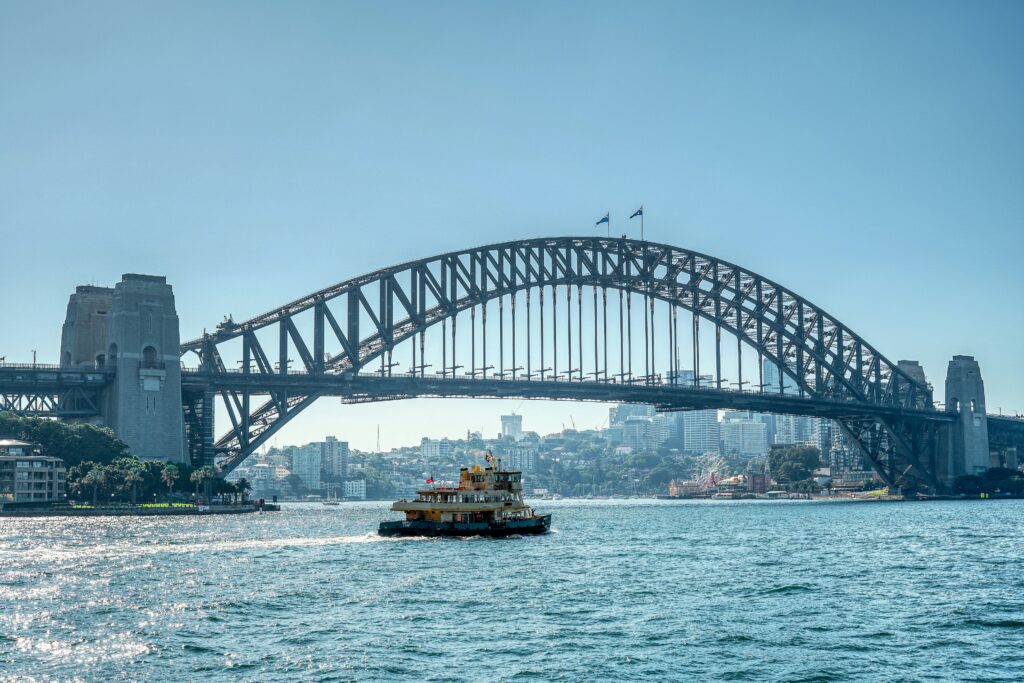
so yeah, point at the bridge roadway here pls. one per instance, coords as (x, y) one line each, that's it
(50, 390)
(363, 388)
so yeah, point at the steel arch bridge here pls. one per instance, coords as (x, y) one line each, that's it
(579, 318)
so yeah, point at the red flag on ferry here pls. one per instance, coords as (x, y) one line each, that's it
(430, 480)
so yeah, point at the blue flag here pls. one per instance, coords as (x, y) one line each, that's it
(638, 212)
(604, 219)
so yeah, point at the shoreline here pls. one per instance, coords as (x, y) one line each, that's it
(183, 511)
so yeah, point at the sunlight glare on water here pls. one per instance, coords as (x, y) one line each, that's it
(620, 590)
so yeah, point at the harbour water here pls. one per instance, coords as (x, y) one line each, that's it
(621, 590)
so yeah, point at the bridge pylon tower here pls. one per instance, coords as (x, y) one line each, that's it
(132, 328)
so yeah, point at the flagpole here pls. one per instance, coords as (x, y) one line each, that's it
(642, 224)
(609, 224)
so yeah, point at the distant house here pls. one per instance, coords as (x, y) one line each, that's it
(822, 476)
(27, 476)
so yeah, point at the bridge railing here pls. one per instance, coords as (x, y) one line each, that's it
(32, 366)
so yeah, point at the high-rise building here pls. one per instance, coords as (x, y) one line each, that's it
(744, 436)
(334, 458)
(769, 424)
(772, 379)
(661, 426)
(522, 458)
(617, 415)
(846, 460)
(430, 448)
(700, 431)
(680, 377)
(796, 430)
(512, 426)
(640, 433)
(306, 464)
(823, 435)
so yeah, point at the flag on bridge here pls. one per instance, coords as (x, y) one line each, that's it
(639, 212)
(604, 219)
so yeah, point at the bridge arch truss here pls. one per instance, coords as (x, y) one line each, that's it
(580, 317)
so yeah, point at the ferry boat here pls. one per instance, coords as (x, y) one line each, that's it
(487, 502)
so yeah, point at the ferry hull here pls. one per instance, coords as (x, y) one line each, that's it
(519, 527)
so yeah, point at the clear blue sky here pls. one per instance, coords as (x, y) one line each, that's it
(868, 155)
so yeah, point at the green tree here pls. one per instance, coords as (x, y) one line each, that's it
(132, 478)
(970, 485)
(201, 477)
(95, 478)
(244, 487)
(296, 484)
(790, 464)
(169, 475)
(74, 443)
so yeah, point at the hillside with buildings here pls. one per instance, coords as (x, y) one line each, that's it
(636, 452)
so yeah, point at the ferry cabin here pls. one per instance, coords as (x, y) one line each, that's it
(483, 495)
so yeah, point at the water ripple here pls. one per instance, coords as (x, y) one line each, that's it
(631, 590)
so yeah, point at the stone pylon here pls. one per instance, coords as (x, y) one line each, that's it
(968, 449)
(132, 329)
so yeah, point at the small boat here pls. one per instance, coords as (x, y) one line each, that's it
(332, 496)
(487, 502)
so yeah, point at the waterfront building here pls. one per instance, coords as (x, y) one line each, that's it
(334, 456)
(27, 476)
(306, 465)
(700, 432)
(681, 489)
(355, 489)
(846, 461)
(512, 426)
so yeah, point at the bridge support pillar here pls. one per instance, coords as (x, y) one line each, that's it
(966, 446)
(133, 328)
(198, 411)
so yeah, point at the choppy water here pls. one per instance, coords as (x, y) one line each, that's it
(622, 590)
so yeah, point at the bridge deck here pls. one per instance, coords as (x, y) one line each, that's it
(370, 388)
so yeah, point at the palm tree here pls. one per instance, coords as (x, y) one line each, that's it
(196, 478)
(169, 475)
(229, 488)
(243, 487)
(132, 478)
(201, 477)
(95, 478)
